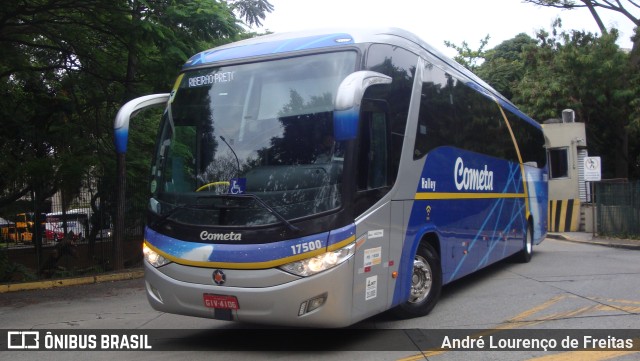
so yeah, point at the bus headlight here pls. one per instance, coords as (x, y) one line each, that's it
(151, 256)
(310, 266)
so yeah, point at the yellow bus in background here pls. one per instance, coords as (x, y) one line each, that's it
(21, 230)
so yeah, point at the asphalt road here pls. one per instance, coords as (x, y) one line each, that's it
(567, 286)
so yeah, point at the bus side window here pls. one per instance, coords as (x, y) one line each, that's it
(530, 140)
(373, 150)
(452, 113)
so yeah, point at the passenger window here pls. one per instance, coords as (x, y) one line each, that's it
(400, 65)
(452, 113)
(373, 149)
(530, 140)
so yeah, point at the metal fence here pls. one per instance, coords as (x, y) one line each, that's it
(618, 206)
(70, 241)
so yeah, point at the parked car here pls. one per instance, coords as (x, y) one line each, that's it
(106, 233)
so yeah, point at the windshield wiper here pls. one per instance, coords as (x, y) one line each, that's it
(161, 219)
(164, 217)
(262, 203)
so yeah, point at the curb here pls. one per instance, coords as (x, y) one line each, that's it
(38, 285)
(599, 242)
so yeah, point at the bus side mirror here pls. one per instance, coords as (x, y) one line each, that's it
(129, 110)
(349, 99)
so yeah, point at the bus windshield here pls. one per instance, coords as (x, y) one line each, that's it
(251, 144)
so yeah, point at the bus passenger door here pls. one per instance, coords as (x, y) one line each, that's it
(373, 210)
(371, 281)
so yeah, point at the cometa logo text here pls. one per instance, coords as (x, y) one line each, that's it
(231, 236)
(472, 179)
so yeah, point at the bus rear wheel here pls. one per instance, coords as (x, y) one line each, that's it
(426, 284)
(524, 256)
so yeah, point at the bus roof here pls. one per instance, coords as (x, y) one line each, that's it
(288, 42)
(293, 42)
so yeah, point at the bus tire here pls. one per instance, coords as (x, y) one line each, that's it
(426, 284)
(524, 256)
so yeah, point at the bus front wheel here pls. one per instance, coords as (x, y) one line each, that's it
(426, 284)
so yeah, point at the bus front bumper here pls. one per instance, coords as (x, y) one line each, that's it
(263, 296)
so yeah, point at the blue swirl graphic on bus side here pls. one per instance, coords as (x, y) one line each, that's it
(478, 200)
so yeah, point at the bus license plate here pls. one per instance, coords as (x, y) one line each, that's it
(219, 301)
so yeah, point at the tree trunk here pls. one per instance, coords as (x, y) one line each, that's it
(634, 57)
(595, 15)
(118, 229)
(132, 56)
(622, 152)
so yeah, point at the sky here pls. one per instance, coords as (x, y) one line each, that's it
(443, 20)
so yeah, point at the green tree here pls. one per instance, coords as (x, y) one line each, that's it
(66, 66)
(252, 11)
(627, 8)
(621, 7)
(467, 57)
(589, 74)
(503, 66)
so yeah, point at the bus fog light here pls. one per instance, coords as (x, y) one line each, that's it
(310, 266)
(312, 304)
(151, 256)
(316, 303)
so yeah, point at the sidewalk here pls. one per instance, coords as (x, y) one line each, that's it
(584, 237)
(64, 282)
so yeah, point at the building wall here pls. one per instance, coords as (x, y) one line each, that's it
(565, 191)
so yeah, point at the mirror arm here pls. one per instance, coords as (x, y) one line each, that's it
(128, 111)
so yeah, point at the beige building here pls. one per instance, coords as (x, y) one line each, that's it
(568, 191)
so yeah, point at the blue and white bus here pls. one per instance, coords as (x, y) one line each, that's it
(316, 179)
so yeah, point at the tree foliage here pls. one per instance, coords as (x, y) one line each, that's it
(578, 70)
(503, 66)
(253, 11)
(467, 57)
(67, 65)
(588, 74)
(629, 8)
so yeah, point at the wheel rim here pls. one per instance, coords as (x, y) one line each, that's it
(421, 280)
(529, 244)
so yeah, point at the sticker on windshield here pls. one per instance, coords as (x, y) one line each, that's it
(237, 185)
